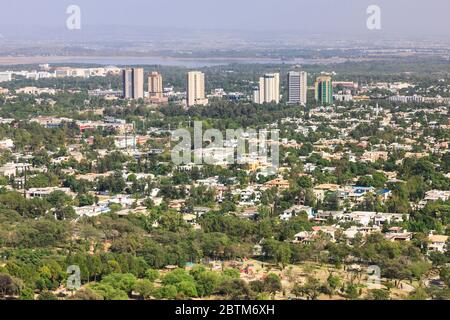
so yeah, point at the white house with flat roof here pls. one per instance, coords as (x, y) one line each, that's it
(295, 211)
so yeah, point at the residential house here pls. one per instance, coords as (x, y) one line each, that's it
(437, 243)
(296, 210)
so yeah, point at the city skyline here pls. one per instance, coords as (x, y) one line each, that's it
(247, 152)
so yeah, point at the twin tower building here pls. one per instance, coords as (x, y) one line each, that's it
(269, 88)
(133, 86)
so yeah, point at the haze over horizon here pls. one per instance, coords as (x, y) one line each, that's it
(406, 18)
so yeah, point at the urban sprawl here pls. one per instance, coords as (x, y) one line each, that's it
(358, 206)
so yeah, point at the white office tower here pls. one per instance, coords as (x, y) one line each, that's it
(196, 89)
(269, 89)
(138, 83)
(297, 87)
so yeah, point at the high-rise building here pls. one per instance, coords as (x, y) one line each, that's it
(269, 89)
(155, 85)
(195, 93)
(297, 87)
(138, 83)
(324, 89)
(133, 83)
(155, 89)
(127, 82)
(256, 95)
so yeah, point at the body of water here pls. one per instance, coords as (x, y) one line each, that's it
(164, 61)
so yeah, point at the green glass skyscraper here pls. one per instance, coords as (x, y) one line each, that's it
(324, 90)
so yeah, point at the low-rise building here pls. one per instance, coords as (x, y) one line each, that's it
(437, 243)
(279, 183)
(398, 234)
(45, 192)
(6, 144)
(91, 211)
(374, 156)
(12, 169)
(295, 211)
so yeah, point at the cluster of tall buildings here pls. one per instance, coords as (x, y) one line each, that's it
(268, 90)
(133, 86)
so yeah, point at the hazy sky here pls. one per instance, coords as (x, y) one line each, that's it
(405, 17)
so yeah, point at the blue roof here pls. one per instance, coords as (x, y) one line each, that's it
(383, 191)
